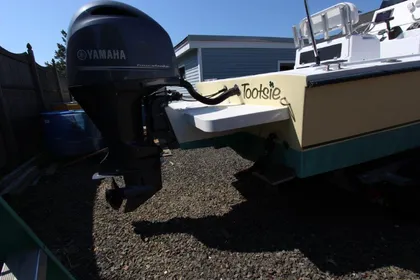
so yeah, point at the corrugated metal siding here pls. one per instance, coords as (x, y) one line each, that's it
(235, 62)
(192, 71)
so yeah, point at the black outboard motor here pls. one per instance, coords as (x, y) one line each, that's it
(117, 59)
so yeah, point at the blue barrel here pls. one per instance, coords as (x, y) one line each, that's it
(70, 133)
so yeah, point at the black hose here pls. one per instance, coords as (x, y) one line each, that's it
(217, 93)
(210, 101)
(208, 96)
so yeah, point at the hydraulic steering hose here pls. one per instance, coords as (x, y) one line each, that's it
(224, 93)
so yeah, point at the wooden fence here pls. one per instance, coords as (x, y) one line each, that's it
(26, 90)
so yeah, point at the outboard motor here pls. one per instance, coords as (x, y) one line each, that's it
(117, 59)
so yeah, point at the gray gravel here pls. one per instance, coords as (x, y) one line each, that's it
(206, 224)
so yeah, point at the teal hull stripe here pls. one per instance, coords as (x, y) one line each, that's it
(324, 158)
(359, 150)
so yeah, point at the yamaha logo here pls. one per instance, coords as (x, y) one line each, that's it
(81, 54)
(101, 55)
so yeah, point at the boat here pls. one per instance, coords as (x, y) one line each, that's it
(351, 98)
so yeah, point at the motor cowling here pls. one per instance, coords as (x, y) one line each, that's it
(109, 42)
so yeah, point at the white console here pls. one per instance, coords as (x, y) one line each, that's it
(350, 48)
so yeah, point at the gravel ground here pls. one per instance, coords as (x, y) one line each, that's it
(206, 224)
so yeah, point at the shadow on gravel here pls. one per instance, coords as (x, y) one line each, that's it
(60, 212)
(335, 230)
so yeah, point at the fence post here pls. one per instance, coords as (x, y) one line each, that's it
(6, 129)
(36, 77)
(57, 78)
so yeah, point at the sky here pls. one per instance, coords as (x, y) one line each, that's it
(39, 22)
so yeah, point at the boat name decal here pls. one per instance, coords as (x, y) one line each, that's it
(262, 92)
(101, 54)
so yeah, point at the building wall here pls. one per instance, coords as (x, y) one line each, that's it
(192, 70)
(221, 63)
